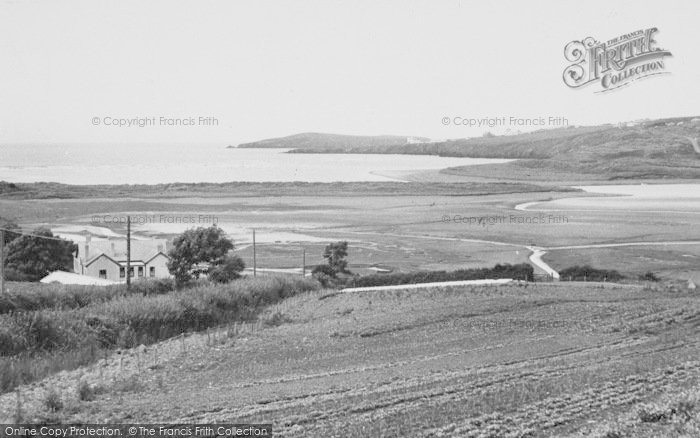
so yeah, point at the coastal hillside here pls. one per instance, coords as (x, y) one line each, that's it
(661, 149)
(651, 149)
(314, 141)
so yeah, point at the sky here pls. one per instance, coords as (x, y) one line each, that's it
(69, 70)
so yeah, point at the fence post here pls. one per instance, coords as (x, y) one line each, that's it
(128, 253)
(18, 413)
(2, 262)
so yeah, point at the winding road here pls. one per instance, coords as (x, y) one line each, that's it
(536, 252)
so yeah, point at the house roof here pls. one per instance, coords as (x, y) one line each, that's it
(71, 278)
(115, 250)
(156, 255)
(98, 256)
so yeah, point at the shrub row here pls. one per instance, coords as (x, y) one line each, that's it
(521, 271)
(131, 320)
(587, 273)
(37, 296)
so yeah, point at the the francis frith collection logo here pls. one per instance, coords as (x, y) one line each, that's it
(616, 62)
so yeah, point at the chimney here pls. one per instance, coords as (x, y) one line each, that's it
(88, 238)
(112, 247)
(161, 248)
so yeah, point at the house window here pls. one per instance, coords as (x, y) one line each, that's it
(103, 273)
(122, 273)
(152, 271)
(131, 272)
(140, 271)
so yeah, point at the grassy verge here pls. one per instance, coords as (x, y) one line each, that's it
(32, 296)
(36, 343)
(521, 271)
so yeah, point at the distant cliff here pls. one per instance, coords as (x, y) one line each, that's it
(663, 148)
(318, 142)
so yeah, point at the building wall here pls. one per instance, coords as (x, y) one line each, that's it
(77, 267)
(103, 263)
(160, 263)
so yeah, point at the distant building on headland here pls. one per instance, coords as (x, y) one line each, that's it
(416, 140)
(106, 259)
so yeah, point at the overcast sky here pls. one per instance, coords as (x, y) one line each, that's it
(273, 68)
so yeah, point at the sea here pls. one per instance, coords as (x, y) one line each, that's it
(153, 164)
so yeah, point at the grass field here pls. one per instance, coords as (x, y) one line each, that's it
(670, 261)
(498, 361)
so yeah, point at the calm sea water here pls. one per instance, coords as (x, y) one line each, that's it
(149, 164)
(660, 198)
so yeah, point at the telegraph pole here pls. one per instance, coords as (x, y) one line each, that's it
(2, 262)
(128, 253)
(255, 268)
(303, 264)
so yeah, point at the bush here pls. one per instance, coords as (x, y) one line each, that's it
(587, 273)
(53, 401)
(12, 274)
(677, 408)
(276, 319)
(323, 269)
(153, 286)
(130, 320)
(520, 271)
(649, 276)
(40, 331)
(325, 280)
(30, 366)
(36, 343)
(37, 296)
(652, 414)
(87, 392)
(228, 270)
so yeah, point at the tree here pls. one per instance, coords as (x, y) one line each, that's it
(197, 245)
(12, 230)
(228, 269)
(335, 253)
(325, 275)
(34, 257)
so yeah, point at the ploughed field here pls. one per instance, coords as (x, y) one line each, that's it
(485, 361)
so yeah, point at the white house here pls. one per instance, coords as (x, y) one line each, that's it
(106, 259)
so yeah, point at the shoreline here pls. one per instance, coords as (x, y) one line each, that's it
(44, 190)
